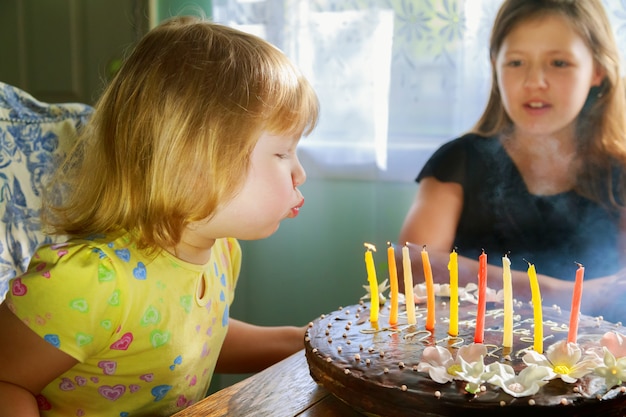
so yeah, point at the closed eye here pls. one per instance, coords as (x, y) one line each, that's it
(560, 63)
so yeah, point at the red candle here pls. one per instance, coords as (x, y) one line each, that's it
(575, 312)
(482, 299)
(430, 291)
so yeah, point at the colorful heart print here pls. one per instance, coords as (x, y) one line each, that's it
(66, 384)
(177, 361)
(79, 304)
(123, 343)
(112, 392)
(160, 391)
(186, 302)
(53, 339)
(139, 272)
(159, 338)
(18, 289)
(42, 403)
(105, 274)
(123, 254)
(150, 316)
(83, 339)
(108, 367)
(147, 377)
(114, 299)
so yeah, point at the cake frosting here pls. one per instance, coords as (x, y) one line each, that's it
(403, 369)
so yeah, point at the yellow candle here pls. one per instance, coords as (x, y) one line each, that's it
(430, 291)
(537, 311)
(453, 267)
(371, 278)
(393, 284)
(408, 286)
(507, 286)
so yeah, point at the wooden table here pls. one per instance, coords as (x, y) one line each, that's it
(283, 390)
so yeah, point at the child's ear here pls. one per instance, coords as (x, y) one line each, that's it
(599, 73)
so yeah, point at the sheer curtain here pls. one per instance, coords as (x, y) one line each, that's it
(396, 78)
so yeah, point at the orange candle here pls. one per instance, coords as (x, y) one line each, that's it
(408, 286)
(371, 278)
(507, 286)
(393, 284)
(537, 311)
(479, 333)
(453, 267)
(575, 312)
(430, 291)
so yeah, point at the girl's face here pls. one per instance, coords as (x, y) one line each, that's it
(544, 71)
(268, 196)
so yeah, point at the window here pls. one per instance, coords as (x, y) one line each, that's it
(396, 78)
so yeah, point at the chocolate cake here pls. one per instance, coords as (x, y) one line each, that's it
(382, 370)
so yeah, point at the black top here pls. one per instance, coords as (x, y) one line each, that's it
(500, 215)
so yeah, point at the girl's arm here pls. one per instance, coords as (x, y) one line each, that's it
(27, 364)
(250, 348)
(434, 215)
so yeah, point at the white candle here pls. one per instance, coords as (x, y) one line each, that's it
(408, 286)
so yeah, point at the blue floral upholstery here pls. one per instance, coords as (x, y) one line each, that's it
(34, 138)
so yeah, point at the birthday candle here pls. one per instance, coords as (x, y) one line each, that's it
(393, 283)
(453, 267)
(575, 312)
(430, 291)
(371, 278)
(482, 300)
(408, 286)
(507, 286)
(538, 313)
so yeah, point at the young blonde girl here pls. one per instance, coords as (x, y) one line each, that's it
(542, 176)
(191, 146)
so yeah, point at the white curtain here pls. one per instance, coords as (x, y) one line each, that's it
(396, 78)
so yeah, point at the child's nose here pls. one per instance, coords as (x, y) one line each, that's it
(299, 175)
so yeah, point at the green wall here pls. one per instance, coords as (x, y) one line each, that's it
(315, 263)
(169, 8)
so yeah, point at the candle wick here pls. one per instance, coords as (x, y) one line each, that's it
(369, 246)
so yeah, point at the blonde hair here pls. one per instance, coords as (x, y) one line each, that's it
(601, 124)
(171, 136)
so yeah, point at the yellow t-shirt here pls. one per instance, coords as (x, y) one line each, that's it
(146, 342)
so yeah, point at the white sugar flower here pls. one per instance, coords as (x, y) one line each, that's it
(439, 364)
(474, 374)
(612, 370)
(442, 367)
(421, 294)
(528, 382)
(615, 343)
(382, 287)
(563, 359)
(443, 290)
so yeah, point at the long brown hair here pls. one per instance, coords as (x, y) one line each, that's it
(172, 134)
(601, 124)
